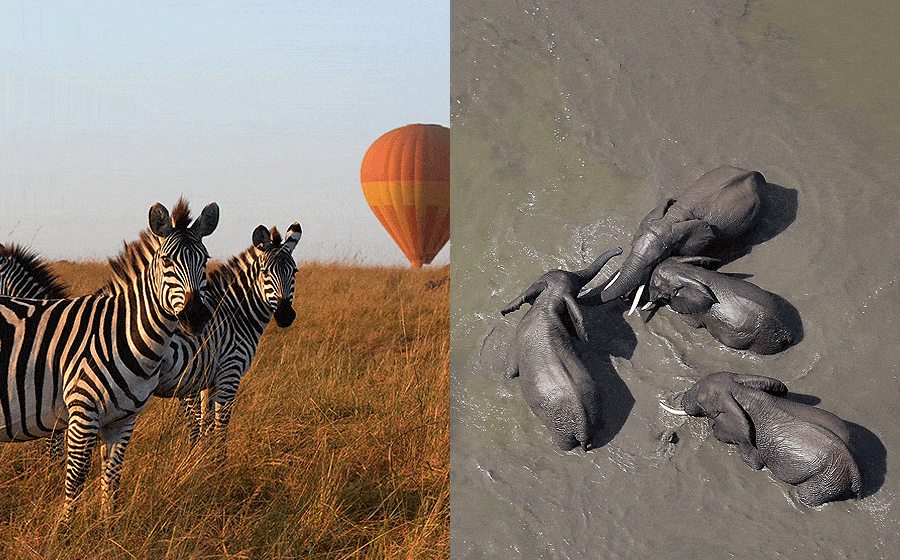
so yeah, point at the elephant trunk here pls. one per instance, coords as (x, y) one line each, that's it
(587, 274)
(632, 274)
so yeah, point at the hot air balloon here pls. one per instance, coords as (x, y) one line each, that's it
(405, 178)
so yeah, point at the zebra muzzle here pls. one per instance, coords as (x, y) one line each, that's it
(194, 316)
(284, 313)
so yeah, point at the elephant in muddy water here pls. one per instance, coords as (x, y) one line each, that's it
(737, 313)
(720, 207)
(555, 383)
(800, 444)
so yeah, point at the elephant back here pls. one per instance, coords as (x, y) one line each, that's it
(727, 198)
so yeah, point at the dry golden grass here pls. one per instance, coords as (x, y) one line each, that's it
(338, 446)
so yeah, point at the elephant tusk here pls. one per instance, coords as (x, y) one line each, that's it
(613, 279)
(648, 305)
(637, 298)
(605, 285)
(670, 410)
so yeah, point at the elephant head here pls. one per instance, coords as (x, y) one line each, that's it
(673, 285)
(659, 236)
(713, 395)
(566, 286)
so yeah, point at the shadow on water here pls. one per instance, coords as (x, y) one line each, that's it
(609, 335)
(868, 451)
(871, 458)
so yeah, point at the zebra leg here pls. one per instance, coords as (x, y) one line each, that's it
(193, 416)
(56, 444)
(114, 438)
(80, 437)
(207, 413)
(219, 430)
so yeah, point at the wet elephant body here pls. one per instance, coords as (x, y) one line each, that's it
(737, 313)
(802, 445)
(715, 211)
(554, 381)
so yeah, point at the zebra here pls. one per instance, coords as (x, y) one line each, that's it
(25, 275)
(245, 293)
(91, 363)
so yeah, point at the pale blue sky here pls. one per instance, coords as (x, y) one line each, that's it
(264, 107)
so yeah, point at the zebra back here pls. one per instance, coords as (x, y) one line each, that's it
(23, 274)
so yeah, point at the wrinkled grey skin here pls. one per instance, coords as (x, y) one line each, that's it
(555, 383)
(718, 208)
(800, 444)
(737, 313)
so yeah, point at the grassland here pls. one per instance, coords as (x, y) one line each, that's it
(338, 445)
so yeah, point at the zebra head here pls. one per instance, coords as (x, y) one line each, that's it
(275, 280)
(178, 266)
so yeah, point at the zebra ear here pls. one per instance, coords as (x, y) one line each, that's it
(208, 220)
(262, 239)
(160, 224)
(292, 237)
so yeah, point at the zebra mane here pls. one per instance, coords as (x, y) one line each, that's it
(37, 268)
(224, 274)
(135, 256)
(181, 214)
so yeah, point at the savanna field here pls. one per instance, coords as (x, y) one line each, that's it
(338, 445)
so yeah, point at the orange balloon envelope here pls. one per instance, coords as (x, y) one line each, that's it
(405, 178)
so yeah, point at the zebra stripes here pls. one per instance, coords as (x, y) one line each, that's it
(91, 363)
(245, 294)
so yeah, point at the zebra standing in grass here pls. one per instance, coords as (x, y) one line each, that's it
(245, 293)
(91, 363)
(23, 274)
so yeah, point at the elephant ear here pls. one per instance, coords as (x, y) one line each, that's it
(694, 236)
(575, 318)
(657, 213)
(762, 383)
(731, 423)
(528, 296)
(692, 297)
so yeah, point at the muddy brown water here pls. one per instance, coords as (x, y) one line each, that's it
(571, 120)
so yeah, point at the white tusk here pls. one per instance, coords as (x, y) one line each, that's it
(648, 305)
(637, 298)
(670, 410)
(613, 279)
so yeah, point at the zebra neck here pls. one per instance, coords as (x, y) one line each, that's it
(145, 316)
(241, 300)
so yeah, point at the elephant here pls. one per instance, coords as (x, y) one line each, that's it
(720, 207)
(800, 444)
(737, 313)
(554, 380)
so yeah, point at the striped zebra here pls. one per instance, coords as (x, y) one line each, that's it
(204, 371)
(23, 274)
(91, 363)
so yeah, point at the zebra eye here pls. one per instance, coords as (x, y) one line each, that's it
(166, 260)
